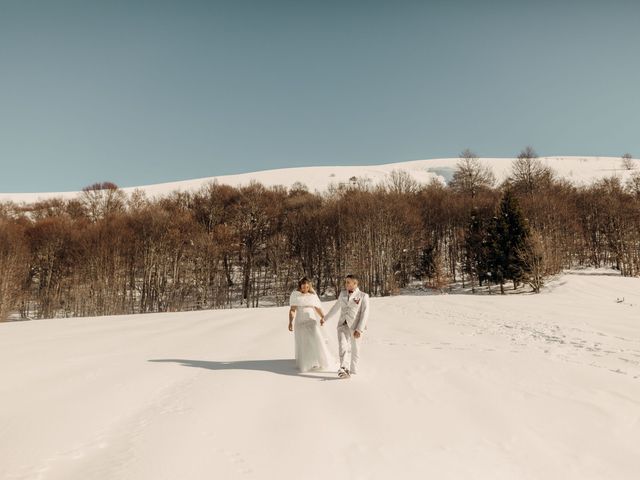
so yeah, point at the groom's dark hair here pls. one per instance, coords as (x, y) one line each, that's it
(352, 277)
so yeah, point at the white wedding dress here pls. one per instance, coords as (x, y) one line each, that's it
(311, 346)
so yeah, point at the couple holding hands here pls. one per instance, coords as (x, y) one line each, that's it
(311, 349)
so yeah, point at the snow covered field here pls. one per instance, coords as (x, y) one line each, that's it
(452, 387)
(579, 170)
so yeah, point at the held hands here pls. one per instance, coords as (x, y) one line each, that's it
(322, 321)
(356, 334)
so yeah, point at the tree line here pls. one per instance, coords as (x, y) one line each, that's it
(106, 252)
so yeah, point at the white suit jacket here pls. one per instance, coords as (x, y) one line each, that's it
(354, 309)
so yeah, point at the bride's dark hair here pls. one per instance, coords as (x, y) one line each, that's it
(305, 280)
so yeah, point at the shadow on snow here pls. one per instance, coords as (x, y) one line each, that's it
(278, 366)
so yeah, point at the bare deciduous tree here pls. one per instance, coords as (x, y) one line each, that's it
(470, 175)
(13, 266)
(102, 199)
(627, 161)
(529, 173)
(633, 184)
(533, 257)
(400, 181)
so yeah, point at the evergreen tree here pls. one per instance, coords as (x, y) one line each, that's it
(508, 239)
(427, 264)
(476, 248)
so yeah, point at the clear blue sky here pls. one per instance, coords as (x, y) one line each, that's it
(140, 92)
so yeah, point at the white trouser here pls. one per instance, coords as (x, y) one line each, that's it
(349, 348)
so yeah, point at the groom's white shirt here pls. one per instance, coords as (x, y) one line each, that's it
(354, 309)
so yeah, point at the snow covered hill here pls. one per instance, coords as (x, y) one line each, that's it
(579, 170)
(452, 387)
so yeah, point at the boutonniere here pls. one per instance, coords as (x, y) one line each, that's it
(357, 300)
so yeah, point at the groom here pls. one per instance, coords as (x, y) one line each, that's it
(353, 305)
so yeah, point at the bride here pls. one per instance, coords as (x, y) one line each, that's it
(311, 348)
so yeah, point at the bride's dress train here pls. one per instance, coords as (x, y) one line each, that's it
(311, 346)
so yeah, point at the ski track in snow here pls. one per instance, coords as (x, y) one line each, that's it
(453, 386)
